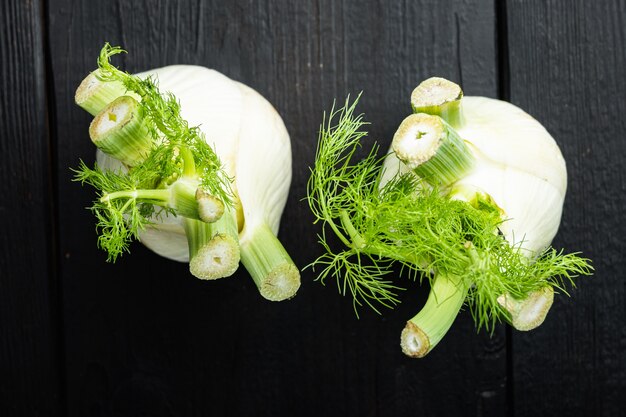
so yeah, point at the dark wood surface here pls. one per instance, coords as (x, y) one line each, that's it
(29, 330)
(80, 337)
(567, 63)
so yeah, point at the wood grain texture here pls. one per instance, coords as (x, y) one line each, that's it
(143, 336)
(28, 355)
(567, 61)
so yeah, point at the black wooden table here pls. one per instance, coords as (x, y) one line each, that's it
(80, 337)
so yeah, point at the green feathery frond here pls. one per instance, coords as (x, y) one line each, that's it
(418, 227)
(119, 220)
(179, 153)
(161, 112)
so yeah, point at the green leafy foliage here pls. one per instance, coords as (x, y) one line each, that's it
(127, 197)
(118, 220)
(161, 113)
(417, 227)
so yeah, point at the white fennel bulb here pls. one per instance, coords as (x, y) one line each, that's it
(517, 163)
(250, 138)
(216, 212)
(477, 147)
(469, 198)
(520, 166)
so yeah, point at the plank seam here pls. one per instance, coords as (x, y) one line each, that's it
(502, 50)
(54, 273)
(504, 93)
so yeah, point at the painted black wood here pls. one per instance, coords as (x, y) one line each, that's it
(29, 377)
(567, 61)
(143, 336)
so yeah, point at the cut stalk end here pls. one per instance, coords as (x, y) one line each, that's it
(414, 341)
(418, 138)
(118, 130)
(218, 258)
(529, 313)
(432, 149)
(476, 197)
(424, 331)
(281, 283)
(439, 97)
(210, 208)
(213, 247)
(269, 265)
(94, 94)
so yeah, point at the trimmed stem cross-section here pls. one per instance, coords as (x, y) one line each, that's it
(213, 247)
(422, 333)
(118, 130)
(439, 97)
(530, 312)
(432, 148)
(269, 264)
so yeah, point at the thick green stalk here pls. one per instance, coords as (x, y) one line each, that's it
(422, 333)
(183, 198)
(118, 130)
(115, 135)
(213, 248)
(210, 208)
(439, 97)
(93, 94)
(189, 164)
(358, 242)
(432, 148)
(180, 197)
(269, 265)
(160, 197)
(158, 150)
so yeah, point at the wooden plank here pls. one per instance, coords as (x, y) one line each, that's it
(566, 62)
(143, 336)
(29, 382)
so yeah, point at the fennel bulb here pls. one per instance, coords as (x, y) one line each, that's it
(247, 135)
(442, 207)
(515, 164)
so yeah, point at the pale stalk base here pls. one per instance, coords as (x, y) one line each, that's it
(529, 313)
